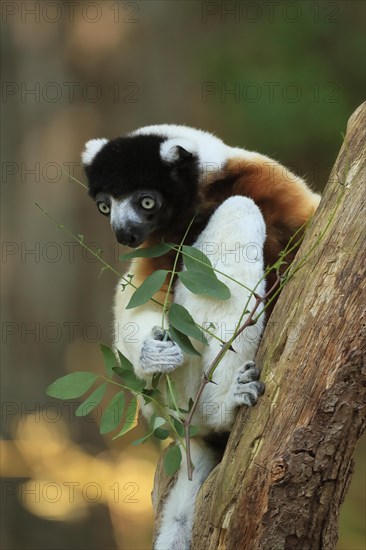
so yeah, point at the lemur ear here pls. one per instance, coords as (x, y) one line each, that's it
(175, 150)
(92, 147)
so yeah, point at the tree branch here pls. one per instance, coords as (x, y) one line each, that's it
(288, 462)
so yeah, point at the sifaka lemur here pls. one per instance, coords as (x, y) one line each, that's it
(151, 183)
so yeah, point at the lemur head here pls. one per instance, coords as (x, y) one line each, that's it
(143, 182)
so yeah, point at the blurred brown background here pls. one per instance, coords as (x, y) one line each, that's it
(278, 77)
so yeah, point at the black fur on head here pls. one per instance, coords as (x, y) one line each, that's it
(126, 164)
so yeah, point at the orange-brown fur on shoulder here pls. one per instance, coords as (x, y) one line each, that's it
(283, 198)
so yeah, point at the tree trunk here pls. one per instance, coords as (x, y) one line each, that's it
(288, 462)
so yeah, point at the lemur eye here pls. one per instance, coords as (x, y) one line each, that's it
(147, 203)
(103, 208)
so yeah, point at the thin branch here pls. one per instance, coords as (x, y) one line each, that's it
(174, 271)
(106, 265)
(75, 179)
(207, 376)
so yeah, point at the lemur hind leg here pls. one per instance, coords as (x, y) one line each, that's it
(178, 512)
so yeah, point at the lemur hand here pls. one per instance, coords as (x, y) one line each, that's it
(247, 386)
(159, 354)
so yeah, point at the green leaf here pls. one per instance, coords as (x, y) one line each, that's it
(193, 430)
(199, 282)
(129, 422)
(72, 385)
(125, 363)
(171, 393)
(148, 252)
(161, 434)
(155, 424)
(149, 394)
(181, 319)
(195, 262)
(183, 341)
(158, 422)
(190, 405)
(151, 285)
(141, 440)
(130, 379)
(178, 426)
(92, 401)
(172, 460)
(113, 413)
(109, 359)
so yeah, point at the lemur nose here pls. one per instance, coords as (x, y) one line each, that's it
(126, 238)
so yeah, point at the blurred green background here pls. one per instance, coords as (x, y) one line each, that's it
(278, 77)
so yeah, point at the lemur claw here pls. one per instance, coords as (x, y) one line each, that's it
(160, 354)
(248, 388)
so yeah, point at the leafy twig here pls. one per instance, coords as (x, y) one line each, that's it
(174, 271)
(213, 268)
(75, 179)
(96, 254)
(160, 406)
(207, 376)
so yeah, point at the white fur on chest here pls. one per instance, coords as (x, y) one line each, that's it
(235, 230)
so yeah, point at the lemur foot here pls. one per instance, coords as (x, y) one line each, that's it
(248, 388)
(159, 354)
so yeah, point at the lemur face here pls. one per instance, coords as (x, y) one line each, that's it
(141, 182)
(133, 217)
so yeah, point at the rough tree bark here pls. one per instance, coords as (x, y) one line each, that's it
(288, 462)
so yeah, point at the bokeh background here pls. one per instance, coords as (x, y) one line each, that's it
(278, 77)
